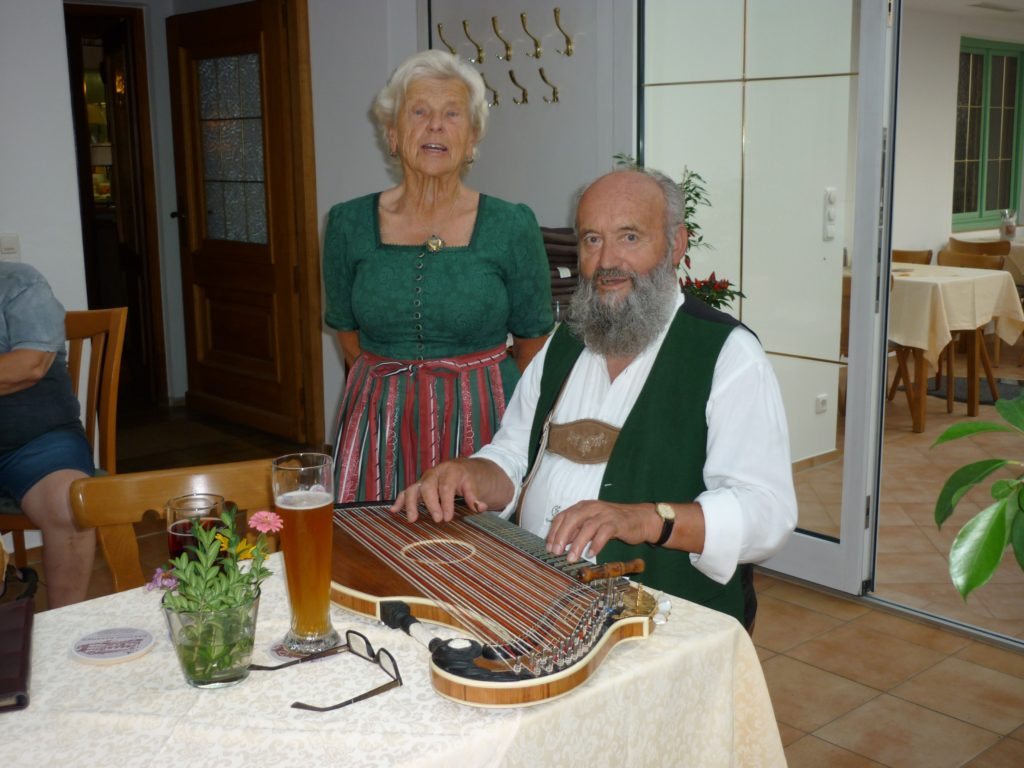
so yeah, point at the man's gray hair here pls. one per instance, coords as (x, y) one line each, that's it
(675, 202)
(432, 64)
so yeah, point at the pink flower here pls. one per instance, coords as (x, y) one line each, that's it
(266, 522)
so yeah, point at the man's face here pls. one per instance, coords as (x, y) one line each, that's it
(621, 225)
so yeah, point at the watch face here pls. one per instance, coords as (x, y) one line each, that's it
(666, 511)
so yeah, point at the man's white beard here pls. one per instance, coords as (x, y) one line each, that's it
(615, 327)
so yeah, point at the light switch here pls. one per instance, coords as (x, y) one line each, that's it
(10, 248)
(828, 214)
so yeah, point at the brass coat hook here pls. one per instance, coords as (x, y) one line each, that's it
(494, 94)
(568, 40)
(537, 50)
(524, 96)
(552, 86)
(440, 34)
(479, 50)
(508, 45)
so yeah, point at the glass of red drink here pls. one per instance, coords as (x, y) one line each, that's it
(182, 512)
(304, 498)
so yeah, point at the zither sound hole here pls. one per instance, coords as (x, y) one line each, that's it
(439, 551)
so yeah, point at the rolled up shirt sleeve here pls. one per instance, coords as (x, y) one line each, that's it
(750, 504)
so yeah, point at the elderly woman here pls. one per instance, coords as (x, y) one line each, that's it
(425, 282)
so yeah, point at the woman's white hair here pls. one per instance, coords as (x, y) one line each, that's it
(435, 64)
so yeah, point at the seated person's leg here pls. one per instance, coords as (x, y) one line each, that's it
(39, 475)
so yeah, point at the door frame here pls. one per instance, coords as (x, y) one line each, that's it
(289, 42)
(146, 170)
(847, 565)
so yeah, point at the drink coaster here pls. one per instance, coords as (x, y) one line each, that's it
(111, 646)
(278, 652)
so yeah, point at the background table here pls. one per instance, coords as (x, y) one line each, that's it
(930, 302)
(692, 693)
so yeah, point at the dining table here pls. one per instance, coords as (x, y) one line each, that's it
(691, 693)
(929, 303)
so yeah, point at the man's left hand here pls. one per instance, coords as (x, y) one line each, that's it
(596, 523)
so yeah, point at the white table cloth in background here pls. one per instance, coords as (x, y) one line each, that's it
(929, 302)
(691, 694)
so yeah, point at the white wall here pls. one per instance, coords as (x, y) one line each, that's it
(925, 120)
(38, 185)
(764, 109)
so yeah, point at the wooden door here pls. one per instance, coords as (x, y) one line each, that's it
(245, 268)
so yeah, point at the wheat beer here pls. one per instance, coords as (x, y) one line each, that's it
(303, 498)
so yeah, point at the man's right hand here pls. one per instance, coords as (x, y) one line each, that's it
(479, 481)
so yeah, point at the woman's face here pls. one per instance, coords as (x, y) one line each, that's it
(433, 130)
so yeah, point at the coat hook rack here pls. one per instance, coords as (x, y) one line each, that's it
(568, 40)
(537, 50)
(479, 49)
(507, 44)
(495, 99)
(440, 34)
(552, 86)
(524, 97)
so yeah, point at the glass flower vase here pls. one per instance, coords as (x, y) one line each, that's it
(214, 648)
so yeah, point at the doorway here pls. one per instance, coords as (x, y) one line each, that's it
(109, 94)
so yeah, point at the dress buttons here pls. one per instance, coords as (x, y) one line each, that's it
(417, 303)
(418, 327)
(417, 315)
(418, 289)
(418, 278)
(419, 265)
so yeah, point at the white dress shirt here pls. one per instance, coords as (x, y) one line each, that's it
(749, 505)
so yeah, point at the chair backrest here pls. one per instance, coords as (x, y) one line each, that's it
(112, 503)
(1001, 247)
(105, 329)
(948, 258)
(912, 257)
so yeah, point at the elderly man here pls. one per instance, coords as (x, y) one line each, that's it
(42, 441)
(649, 426)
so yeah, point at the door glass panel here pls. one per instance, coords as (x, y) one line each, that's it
(231, 133)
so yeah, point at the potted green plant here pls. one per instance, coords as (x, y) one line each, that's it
(715, 291)
(978, 548)
(212, 599)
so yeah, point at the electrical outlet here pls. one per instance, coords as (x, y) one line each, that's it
(821, 403)
(10, 247)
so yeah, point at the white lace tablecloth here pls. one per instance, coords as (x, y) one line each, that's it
(691, 694)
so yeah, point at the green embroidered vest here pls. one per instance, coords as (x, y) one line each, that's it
(660, 452)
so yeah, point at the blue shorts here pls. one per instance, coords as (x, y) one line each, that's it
(23, 467)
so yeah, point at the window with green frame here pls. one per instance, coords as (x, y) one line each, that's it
(987, 162)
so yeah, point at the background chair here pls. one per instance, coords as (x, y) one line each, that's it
(998, 247)
(112, 504)
(561, 247)
(104, 329)
(912, 257)
(973, 260)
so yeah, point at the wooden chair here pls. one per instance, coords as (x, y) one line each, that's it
(112, 504)
(972, 260)
(104, 329)
(563, 261)
(998, 247)
(912, 257)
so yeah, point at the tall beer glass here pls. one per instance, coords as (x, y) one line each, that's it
(304, 497)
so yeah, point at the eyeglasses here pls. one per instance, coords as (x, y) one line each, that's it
(361, 647)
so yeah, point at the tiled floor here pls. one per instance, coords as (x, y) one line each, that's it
(852, 685)
(912, 558)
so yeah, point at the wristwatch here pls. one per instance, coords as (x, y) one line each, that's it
(668, 521)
